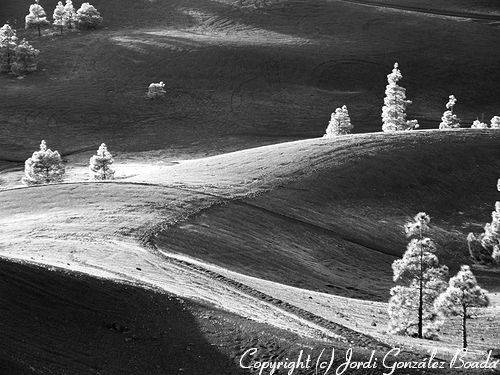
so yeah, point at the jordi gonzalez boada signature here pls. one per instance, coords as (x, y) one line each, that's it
(325, 362)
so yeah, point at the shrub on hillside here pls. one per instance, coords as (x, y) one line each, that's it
(100, 164)
(25, 58)
(44, 166)
(395, 103)
(449, 120)
(495, 122)
(88, 17)
(479, 125)
(156, 90)
(8, 43)
(340, 123)
(36, 18)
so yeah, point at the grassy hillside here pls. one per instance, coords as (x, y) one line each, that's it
(321, 210)
(234, 69)
(333, 221)
(322, 215)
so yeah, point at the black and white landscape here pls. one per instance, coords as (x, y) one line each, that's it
(249, 187)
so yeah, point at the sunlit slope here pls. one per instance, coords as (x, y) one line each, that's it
(336, 225)
(248, 69)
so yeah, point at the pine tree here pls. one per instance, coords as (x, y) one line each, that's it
(70, 14)
(495, 122)
(88, 17)
(60, 17)
(395, 103)
(340, 123)
(491, 238)
(100, 164)
(43, 167)
(156, 90)
(449, 119)
(25, 58)
(421, 279)
(462, 293)
(8, 43)
(485, 247)
(479, 125)
(36, 17)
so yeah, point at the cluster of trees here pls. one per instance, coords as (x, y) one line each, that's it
(422, 298)
(394, 112)
(46, 166)
(64, 16)
(450, 120)
(17, 57)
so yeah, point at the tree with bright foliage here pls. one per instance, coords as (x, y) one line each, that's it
(462, 293)
(36, 18)
(8, 43)
(70, 13)
(420, 280)
(479, 125)
(43, 167)
(395, 103)
(449, 120)
(25, 58)
(340, 123)
(59, 16)
(495, 122)
(156, 90)
(486, 247)
(100, 164)
(16, 57)
(491, 236)
(88, 17)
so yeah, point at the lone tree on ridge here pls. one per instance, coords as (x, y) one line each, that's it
(395, 103)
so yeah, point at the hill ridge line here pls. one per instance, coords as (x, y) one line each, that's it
(437, 12)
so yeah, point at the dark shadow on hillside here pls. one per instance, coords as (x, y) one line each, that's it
(57, 323)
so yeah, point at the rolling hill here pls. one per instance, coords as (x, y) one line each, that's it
(320, 215)
(228, 216)
(260, 71)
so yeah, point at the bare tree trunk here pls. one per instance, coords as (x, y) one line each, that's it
(464, 326)
(39, 31)
(421, 292)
